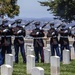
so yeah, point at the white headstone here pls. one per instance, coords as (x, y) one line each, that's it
(30, 63)
(13, 52)
(47, 54)
(6, 70)
(9, 59)
(72, 53)
(66, 57)
(30, 51)
(55, 65)
(48, 46)
(37, 71)
(28, 46)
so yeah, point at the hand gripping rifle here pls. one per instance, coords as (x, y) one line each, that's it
(20, 30)
(5, 30)
(38, 32)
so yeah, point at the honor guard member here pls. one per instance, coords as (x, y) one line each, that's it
(19, 42)
(38, 44)
(64, 41)
(53, 34)
(5, 41)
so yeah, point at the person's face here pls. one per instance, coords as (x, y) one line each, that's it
(37, 26)
(52, 26)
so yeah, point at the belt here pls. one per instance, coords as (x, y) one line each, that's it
(64, 36)
(54, 36)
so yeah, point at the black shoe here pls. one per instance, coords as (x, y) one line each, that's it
(16, 62)
(24, 62)
(42, 61)
(36, 61)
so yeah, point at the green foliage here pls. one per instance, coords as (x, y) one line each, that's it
(62, 9)
(9, 8)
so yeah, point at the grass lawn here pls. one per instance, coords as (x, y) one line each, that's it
(20, 68)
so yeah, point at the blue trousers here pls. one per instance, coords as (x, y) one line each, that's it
(39, 50)
(5, 49)
(55, 48)
(1, 59)
(62, 47)
(22, 50)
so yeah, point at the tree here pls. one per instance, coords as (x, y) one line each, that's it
(9, 8)
(61, 9)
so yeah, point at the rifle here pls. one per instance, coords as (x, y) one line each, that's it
(59, 26)
(13, 23)
(73, 26)
(70, 27)
(20, 30)
(23, 25)
(45, 24)
(29, 23)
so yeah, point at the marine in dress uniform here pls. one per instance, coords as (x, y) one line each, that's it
(5, 40)
(38, 44)
(53, 34)
(64, 41)
(19, 33)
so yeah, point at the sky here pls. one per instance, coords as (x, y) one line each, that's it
(32, 9)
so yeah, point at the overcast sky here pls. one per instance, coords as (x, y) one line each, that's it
(32, 9)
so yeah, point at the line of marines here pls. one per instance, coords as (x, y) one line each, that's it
(38, 33)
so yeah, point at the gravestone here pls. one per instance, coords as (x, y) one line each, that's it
(37, 71)
(30, 63)
(48, 46)
(6, 70)
(55, 65)
(13, 52)
(47, 54)
(66, 57)
(30, 51)
(9, 59)
(72, 53)
(28, 46)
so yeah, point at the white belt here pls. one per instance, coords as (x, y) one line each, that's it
(64, 36)
(54, 36)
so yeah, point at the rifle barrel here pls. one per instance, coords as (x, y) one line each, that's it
(45, 25)
(29, 23)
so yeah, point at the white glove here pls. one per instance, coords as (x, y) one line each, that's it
(5, 30)
(40, 28)
(37, 33)
(53, 33)
(55, 28)
(70, 27)
(19, 31)
(23, 26)
(9, 25)
(66, 31)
